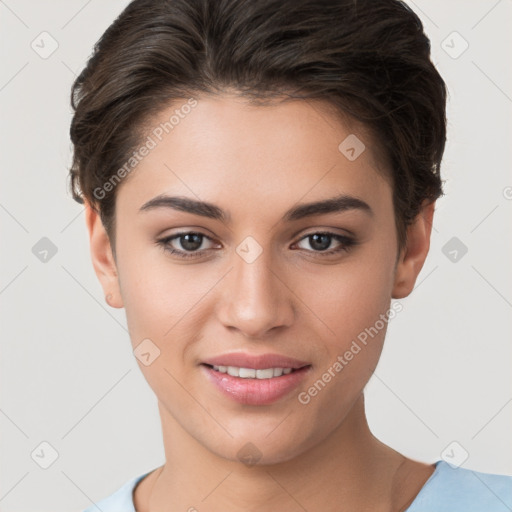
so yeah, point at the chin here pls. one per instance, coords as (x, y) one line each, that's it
(257, 448)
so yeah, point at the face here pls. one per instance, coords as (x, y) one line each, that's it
(254, 279)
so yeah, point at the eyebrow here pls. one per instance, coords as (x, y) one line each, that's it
(336, 204)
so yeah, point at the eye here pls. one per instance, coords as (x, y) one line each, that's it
(320, 241)
(190, 242)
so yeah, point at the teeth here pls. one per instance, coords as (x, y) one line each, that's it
(251, 373)
(247, 373)
(233, 371)
(267, 373)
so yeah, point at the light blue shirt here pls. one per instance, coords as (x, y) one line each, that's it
(449, 489)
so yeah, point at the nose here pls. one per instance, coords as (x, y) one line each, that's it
(256, 298)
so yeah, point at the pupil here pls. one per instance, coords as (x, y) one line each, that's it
(320, 246)
(189, 245)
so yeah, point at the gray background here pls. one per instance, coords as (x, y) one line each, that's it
(68, 376)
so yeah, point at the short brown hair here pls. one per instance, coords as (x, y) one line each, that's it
(369, 59)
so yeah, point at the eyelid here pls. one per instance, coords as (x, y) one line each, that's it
(326, 229)
(179, 234)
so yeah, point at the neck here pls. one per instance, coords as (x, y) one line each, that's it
(350, 467)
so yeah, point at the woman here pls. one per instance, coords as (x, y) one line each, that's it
(260, 180)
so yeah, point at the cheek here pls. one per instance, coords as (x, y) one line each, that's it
(162, 303)
(352, 302)
(352, 296)
(150, 293)
(162, 300)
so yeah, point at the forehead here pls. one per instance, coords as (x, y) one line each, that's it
(225, 150)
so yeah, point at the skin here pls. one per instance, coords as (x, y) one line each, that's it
(256, 162)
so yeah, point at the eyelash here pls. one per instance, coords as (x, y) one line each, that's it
(347, 243)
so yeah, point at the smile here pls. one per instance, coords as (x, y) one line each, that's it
(255, 386)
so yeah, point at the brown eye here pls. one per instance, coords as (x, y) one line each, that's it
(189, 242)
(322, 241)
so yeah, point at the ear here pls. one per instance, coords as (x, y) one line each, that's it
(413, 255)
(102, 258)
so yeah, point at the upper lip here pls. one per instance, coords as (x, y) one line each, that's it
(258, 362)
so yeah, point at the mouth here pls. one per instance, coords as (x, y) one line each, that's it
(256, 383)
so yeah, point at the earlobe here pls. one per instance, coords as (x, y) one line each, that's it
(102, 258)
(415, 252)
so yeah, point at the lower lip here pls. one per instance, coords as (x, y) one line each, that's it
(255, 391)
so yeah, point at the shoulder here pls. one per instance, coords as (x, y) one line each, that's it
(454, 489)
(122, 499)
